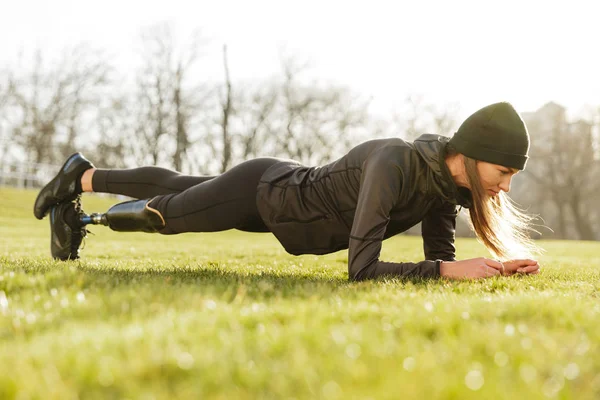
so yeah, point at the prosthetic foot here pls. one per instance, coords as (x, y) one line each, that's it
(130, 216)
(68, 221)
(63, 187)
(66, 231)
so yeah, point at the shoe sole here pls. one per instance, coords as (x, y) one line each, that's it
(59, 253)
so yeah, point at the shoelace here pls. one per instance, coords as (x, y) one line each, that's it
(78, 235)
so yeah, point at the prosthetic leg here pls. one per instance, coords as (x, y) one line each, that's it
(130, 216)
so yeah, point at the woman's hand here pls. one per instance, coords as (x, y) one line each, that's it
(474, 268)
(525, 266)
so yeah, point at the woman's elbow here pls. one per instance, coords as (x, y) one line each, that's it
(357, 273)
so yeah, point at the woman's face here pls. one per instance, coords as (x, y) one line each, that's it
(495, 177)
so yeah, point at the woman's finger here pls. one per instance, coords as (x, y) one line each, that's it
(490, 271)
(529, 269)
(514, 264)
(497, 265)
(526, 262)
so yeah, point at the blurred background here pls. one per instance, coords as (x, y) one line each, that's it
(200, 86)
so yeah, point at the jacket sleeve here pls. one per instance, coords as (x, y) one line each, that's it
(438, 230)
(380, 186)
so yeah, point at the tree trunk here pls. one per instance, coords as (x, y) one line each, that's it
(226, 113)
(581, 223)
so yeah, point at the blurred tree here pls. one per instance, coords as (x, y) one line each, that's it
(563, 173)
(315, 124)
(166, 98)
(153, 83)
(117, 127)
(284, 118)
(416, 116)
(4, 98)
(255, 113)
(49, 102)
(4, 89)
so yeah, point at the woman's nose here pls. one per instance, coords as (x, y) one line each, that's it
(505, 185)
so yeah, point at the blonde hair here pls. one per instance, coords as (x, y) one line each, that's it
(499, 224)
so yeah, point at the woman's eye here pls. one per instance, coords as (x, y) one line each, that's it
(503, 172)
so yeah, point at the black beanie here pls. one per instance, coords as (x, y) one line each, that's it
(495, 134)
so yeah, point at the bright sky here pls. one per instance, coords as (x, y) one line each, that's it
(470, 52)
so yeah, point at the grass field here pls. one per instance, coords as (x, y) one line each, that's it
(232, 316)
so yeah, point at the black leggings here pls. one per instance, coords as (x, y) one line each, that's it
(193, 203)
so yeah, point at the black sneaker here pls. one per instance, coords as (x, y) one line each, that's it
(63, 187)
(66, 231)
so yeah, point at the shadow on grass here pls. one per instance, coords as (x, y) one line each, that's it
(258, 283)
(218, 276)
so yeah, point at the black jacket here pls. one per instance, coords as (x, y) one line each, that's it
(378, 189)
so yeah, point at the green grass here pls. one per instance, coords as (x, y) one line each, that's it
(232, 316)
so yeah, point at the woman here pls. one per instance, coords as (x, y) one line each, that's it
(378, 189)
